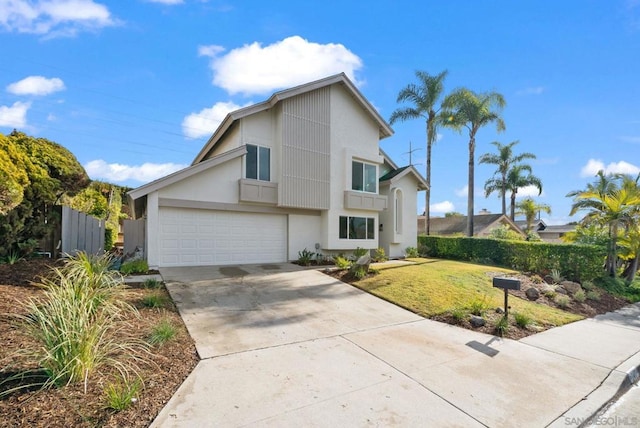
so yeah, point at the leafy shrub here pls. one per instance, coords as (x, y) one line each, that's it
(305, 257)
(588, 285)
(13, 257)
(342, 263)
(620, 287)
(522, 320)
(562, 301)
(533, 237)
(108, 239)
(502, 327)
(121, 394)
(504, 232)
(359, 252)
(379, 255)
(359, 271)
(579, 296)
(162, 332)
(138, 266)
(550, 294)
(575, 262)
(411, 252)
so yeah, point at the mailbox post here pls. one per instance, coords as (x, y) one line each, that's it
(506, 284)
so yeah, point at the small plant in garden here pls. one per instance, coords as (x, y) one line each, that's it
(342, 263)
(479, 306)
(593, 295)
(588, 285)
(121, 394)
(162, 332)
(579, 296)
(502, 327)
(152, 283)
(562, 301)
(459, 314)
(134, 267)
(522, 320)
(379, 255)
(13, 257)
(359, 271)
(359, 252)
(305, 257)
(411, 252)
(556, 276)
(155, 300)
(550, 294)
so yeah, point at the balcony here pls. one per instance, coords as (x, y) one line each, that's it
(364, 201)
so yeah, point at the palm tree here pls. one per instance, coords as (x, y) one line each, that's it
(467, 109)
(424, 98)
(530, 209)
(503, 160)
(616, 208)
(517, 180)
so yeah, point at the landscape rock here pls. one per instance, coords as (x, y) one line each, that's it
(560, 289)
(499, 311)
(570, 286)
(532, 293)
(477, 321)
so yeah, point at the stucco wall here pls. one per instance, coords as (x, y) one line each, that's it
(394, 242)
(304, 232)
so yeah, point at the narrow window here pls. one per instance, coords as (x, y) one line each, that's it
(343, 228)
(252, 162)
(356, 176)
(264, 166)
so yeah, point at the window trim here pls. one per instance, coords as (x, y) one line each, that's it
(370, 228)
(364, 176)
(259, 148)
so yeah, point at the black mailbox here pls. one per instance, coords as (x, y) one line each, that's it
(506, 283)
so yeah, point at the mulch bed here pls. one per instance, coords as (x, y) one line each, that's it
(169, 363)
(588, 308)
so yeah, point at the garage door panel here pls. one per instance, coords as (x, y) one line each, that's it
(190, 237)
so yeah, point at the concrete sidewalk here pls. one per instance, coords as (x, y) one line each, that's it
(282, 346)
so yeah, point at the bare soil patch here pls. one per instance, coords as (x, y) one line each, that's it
(70, 405)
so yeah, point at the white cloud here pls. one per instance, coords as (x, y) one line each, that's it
(205, 122)
(534, 90)
(594, 165)
(116, 172)
(36, 85)
(463, 191)
(442, 207)
(528, 191)
(53, 17)
(14, 116)
(256, 69)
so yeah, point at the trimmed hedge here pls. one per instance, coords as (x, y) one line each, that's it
(575, 262)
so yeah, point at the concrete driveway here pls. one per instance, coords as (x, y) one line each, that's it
(283, 346)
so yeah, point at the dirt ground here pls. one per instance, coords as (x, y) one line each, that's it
(69, 406)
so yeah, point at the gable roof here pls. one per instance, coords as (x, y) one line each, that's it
(396, 174)
(383, 127)
(458, 224)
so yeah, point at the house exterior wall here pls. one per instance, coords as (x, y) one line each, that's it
(354, 135)
(394, 240)
(304, 232)
(230, 142)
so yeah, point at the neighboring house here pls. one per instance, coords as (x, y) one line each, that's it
(483, 224)
(548, 233)
(302, 169)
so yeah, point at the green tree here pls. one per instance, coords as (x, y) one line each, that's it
(469, 110)
(52, 172)
(423, 98)
(13, 176)
(530, 209)
(611, 202)
(517, 179)
(505, 159)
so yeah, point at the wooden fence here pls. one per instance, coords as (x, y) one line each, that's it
(134, 235)
(81, 232)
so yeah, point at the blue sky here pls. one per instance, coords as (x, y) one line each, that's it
(134, 88)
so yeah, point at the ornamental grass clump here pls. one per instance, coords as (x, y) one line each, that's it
(79, 322)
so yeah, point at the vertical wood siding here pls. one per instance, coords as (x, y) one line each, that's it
(306, 151)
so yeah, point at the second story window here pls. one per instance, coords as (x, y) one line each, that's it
(364, 177)
(258, 163)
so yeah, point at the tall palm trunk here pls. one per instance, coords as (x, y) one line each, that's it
(612, 256)
(427, 209)
(504, 193)
(472, 147)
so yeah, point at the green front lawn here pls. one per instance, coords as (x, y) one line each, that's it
(434, 287)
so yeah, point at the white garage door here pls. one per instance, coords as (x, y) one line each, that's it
(192, 237)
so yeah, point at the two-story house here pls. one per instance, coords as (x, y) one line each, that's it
(302, 169)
